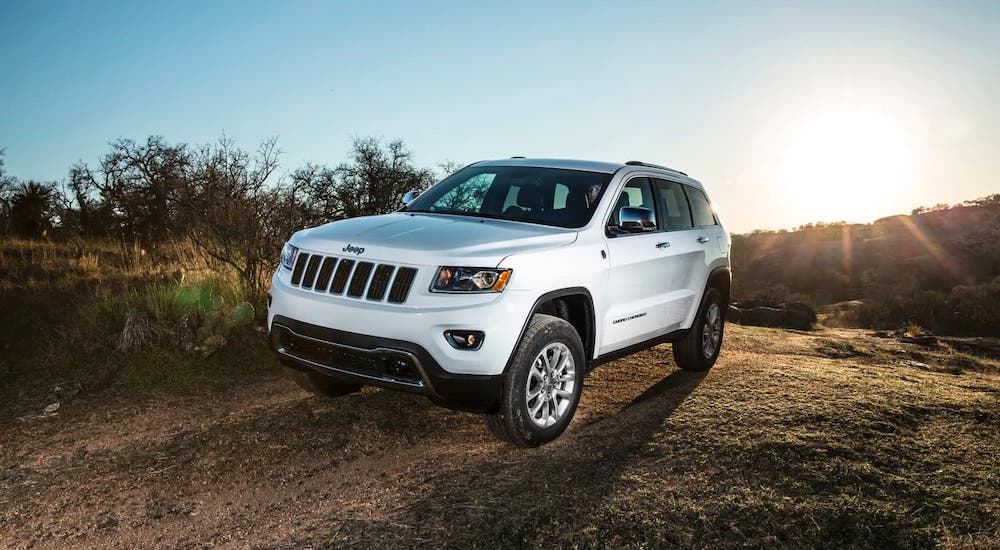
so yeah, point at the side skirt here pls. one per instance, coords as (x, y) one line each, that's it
(636, 348)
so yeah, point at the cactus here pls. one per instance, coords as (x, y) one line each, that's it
(242, 314)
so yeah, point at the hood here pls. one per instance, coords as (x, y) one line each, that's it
(426, 239)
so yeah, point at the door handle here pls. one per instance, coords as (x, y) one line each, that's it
(664, 244)
(703, 239)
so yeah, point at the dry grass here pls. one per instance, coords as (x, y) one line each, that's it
(827, 439)
(95, 314)
(776, 446)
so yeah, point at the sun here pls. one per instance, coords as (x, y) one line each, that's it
(845, 164)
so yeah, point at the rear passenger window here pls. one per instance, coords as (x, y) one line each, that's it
(701, 211)
(672, 205)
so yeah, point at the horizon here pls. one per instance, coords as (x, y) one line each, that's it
(786, 112)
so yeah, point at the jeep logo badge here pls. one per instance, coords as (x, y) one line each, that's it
(354, 249)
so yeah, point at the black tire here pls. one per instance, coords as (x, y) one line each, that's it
(690, 353)
(513, 422)
(322, 385)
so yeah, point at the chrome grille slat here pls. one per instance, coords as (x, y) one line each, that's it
(358, 279)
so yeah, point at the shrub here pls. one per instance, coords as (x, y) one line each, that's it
(975, 309)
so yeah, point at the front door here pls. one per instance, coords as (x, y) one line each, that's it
(639, 277)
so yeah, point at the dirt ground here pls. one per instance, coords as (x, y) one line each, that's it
(832, 438)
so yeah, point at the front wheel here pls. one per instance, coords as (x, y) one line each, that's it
(700, 347)
(543, 385)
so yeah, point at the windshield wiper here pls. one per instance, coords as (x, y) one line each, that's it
(450, 213)
(477, 215)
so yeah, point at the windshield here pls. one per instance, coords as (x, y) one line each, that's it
(548, 196)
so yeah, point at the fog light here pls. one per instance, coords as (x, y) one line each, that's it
(465, 339)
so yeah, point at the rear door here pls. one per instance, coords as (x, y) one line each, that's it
(686, 252)
(639, 275)
(706, 237)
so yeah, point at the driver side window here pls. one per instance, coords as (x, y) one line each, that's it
(637, 193)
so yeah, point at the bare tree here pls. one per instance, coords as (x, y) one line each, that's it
(312, 189)
(449, 167)
(376, 177)
(134, 192)
(6, 183)
(372, 182)
(235, 209)
(229, 201)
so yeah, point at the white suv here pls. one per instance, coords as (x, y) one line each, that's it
(501, 287)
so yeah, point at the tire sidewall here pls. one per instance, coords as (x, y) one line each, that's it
(711, 297)
(555, 330)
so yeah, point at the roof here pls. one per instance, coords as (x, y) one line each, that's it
(568, 164)
(590, 166)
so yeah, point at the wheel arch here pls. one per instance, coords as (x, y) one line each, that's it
(721, 279)
(575, 305)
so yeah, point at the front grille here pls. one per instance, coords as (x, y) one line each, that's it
(391, 366)
(351, 278)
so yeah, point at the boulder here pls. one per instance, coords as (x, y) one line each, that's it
(794, 315)
(798, 315)
(733, 314)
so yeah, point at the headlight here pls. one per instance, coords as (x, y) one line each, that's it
(470, 279)
(288, 255)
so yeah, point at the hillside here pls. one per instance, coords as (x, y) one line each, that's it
(937, 268)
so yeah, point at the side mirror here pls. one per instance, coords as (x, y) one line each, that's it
(409, 196)
(635, 219)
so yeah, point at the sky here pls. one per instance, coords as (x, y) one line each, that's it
(788, 112)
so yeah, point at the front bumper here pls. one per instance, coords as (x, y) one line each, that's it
(384, 362)
(423, 320)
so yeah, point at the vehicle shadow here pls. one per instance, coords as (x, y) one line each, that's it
(682, 381)
(530, 497)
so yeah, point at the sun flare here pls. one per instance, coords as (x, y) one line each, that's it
(845, 164)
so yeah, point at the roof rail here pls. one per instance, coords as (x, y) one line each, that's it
(651, 165)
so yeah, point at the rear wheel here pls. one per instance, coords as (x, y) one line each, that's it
(543, 385)
(323, 385)
(700, 347)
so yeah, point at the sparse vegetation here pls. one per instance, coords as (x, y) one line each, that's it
(776, 446)
(937, 268)
(134, 366)
(97, 315)
(233, 205)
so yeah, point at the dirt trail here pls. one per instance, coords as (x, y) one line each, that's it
(655, 456)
